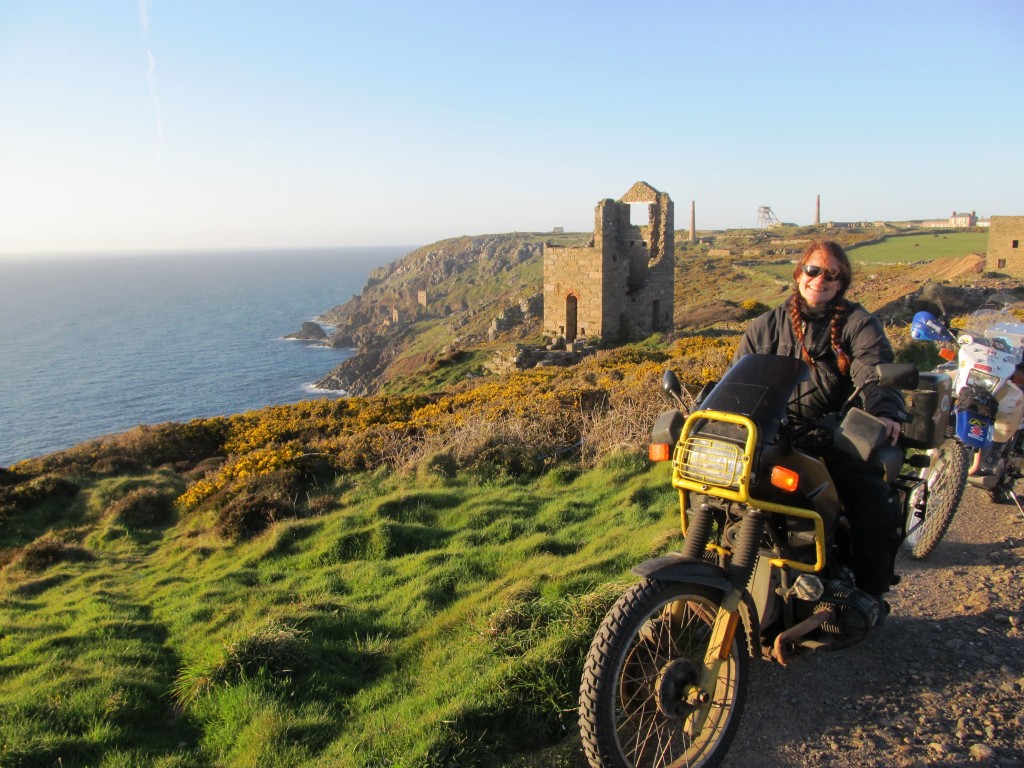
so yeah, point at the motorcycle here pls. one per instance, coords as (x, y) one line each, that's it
(989, 406)
(761, 573)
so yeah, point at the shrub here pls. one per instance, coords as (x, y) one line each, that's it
(441, 464)
(276, 648)
(143, 508)
(26, 494)
(172, 442)
(205, 467)
(923, 354)
(116, 464)
(503, 459)
(248, 516)
(48, 550)
(10, 477)
(753, 308)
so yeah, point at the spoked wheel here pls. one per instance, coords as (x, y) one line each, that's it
(945, 478)
(640, 699)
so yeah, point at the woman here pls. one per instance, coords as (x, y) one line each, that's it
(841, 342)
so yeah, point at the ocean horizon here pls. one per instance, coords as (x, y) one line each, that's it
(92, 344)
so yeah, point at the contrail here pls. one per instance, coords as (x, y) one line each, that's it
(151, 77)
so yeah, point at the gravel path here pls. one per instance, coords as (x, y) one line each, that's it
(941, 685)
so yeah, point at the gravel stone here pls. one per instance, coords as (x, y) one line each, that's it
(940, 685)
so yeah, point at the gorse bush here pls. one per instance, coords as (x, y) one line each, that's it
(513, 426)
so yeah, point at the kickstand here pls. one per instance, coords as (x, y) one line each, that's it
(1015, 500)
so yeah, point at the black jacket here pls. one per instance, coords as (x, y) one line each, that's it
(863, 340)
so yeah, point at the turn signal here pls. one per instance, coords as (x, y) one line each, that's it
(786, 479)
(659, 452)
(947, 354)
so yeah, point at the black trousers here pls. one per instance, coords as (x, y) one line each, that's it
(873, 509)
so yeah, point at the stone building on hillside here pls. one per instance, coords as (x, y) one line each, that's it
(621, 286)
(1006, 245)
(955, 221)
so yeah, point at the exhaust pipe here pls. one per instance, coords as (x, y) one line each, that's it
(797, 631)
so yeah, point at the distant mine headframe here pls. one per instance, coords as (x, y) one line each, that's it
(765, 218)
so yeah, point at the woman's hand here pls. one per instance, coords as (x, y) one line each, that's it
(892, 429)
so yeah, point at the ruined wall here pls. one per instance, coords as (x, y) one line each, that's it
(572, 272)
(1006, 246)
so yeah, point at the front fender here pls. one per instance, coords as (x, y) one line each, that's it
(674, 567)
(678, 568)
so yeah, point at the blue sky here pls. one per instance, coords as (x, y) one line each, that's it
(176, 124)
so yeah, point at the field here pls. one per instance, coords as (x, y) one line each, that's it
(921, 247)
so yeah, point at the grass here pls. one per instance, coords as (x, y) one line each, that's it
(937, 245)
(416, 625)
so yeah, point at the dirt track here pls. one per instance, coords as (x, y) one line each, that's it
(942, 685)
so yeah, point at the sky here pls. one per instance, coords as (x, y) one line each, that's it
(155, 125)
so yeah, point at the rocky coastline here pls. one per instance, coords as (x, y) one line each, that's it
(464, 291)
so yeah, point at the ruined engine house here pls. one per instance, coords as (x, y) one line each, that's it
(620, 286)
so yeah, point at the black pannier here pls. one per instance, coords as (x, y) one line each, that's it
(929, 406)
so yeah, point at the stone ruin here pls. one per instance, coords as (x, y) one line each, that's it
(523, 356)
(621, 285)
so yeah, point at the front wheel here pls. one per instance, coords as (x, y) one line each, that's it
(638, 697)
(945, 478)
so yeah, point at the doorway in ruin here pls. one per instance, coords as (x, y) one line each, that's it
(570, 319)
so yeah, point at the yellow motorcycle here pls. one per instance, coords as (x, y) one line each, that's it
(761, 573)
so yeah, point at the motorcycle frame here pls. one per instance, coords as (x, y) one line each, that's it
(740, 490)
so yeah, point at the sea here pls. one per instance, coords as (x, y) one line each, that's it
(94, 345)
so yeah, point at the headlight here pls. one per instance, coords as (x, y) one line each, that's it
(985, 381)
(710, 462)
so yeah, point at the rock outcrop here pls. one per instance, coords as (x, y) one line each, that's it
(309, 332)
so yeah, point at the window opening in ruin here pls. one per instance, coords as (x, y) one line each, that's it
(1016, 243)
(570, 319)
(639, 214)
(1000, 263)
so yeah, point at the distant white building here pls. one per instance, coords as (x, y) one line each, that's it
(955, 220)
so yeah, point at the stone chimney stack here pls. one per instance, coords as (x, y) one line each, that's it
(817, 211)
(693, 222)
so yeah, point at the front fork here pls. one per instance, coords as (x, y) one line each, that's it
(727, 620)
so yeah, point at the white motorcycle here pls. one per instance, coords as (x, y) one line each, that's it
(989, 407)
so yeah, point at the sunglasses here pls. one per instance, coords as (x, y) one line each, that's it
(813, 270)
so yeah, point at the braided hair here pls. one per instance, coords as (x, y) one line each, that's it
(838, 308)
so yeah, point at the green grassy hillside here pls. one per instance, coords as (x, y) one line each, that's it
(410, 623)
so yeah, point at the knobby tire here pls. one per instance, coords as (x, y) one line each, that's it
(654, 627)
(946, 478)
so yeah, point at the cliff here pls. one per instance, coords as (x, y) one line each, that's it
(457, 294)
